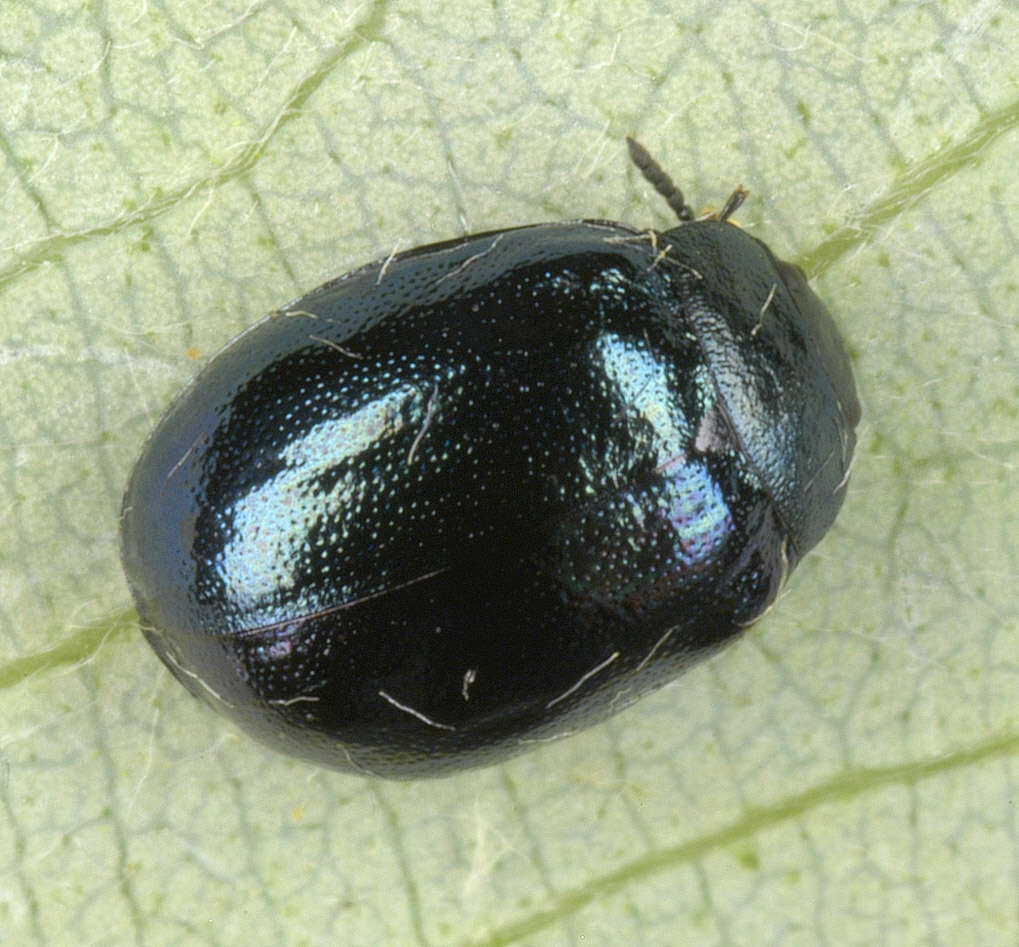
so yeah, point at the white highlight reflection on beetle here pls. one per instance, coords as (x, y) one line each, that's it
(692, 501)
(266, 526)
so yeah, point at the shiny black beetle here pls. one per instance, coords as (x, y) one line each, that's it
(490, 490)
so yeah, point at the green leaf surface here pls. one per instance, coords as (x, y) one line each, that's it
(846, 774)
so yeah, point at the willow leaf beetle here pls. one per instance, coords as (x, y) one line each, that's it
(490, 490)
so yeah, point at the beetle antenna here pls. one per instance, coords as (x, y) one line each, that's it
(658, 179)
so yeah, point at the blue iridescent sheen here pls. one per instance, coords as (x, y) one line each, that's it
(489, 490)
